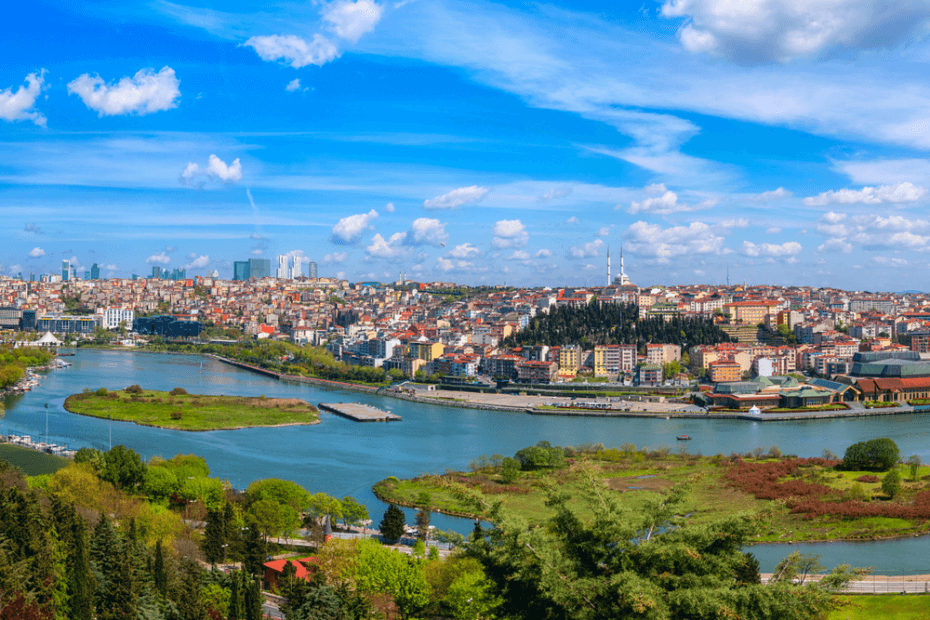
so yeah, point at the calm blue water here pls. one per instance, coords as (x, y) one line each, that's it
(341, 457)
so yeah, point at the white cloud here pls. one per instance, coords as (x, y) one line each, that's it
(665, 243)
(544, 253)
(666, 203)
(509, 234)
(456, 198)
(336, 257)
(465, 250)
(18, 106)
(350, 20)
(902, 192)
(776, 194)
(603, 231)
(294, 50)
(572, 220)
(464, 266)
(774, 230)
(144, 93)
(195, 176)
(36, 252)
(785, 30)
(587, 250)
(789, 248)
(555, 193)
(32, 229)
(389, 207)
(350, 229)
(884, 171)
(293, 85)
(835, 245)
(426, 231)
(738, 222)
(387, 248)
(520, 255)
(197, 262)
(890, 261)
(161, 258)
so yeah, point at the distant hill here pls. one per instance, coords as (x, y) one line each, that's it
(614, 324)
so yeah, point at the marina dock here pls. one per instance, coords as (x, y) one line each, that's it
(360, 412)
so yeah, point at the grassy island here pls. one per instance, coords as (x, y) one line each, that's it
(795, 499)
(191, 412)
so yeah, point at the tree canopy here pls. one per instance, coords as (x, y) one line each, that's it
(875, 455)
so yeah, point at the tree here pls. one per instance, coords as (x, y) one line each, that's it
(392, 524)
(913, 462)
(510, 470)
(541, 456)
(123, 467)
(382, 570)
(422, 519)
(254, 555)
(160, 574)
(876, 455)
(214, 539)
(647, 563)
(353, 513)
(234, 612)
(891, 483)
(252, 606)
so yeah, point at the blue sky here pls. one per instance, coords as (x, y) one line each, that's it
(475, 142)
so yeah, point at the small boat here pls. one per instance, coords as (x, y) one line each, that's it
(684, 438)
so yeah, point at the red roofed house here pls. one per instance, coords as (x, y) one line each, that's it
(274, 571)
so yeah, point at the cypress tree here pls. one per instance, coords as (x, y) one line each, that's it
(214, 537)
(234, 597)
(392, 524)
(253, 600)
(81, 588)
(254, 552)
(160, 574)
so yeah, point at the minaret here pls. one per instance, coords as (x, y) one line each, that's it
(608, 265)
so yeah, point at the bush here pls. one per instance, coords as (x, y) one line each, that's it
(875, 455)
(867, 478)
(178, 391)
(891, 483)
(101, 392)
(176, 415)
(134, 389)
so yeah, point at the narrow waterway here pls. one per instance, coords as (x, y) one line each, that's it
(341, 457)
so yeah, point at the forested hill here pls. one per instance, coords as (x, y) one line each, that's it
(614, 324)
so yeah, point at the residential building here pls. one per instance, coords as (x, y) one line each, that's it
(537, 372)
(311, 270)
(112, 317)
(723, 371)
(570, 359)
(611, 359)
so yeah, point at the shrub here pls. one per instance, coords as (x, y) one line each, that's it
(775, 452)
(176, 415)
(178, 391)
(891, 483)
(875, 454)
(101, 392)
(867, 478)
(134, 389)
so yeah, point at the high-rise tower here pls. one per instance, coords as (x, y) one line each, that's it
(608, 266)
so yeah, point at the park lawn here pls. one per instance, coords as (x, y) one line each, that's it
(882, 607)
(31, 462)
(636, 482)
(197, 412)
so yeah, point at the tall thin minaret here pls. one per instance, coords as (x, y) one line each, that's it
(608, 265)
(622, 272)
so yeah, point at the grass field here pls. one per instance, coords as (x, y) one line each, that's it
(193, 412)
(636, 479)
(883, 607)
(31, 462)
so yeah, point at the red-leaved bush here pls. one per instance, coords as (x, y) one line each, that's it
(867, 478)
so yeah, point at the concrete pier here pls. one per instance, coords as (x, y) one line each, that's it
(360, 412)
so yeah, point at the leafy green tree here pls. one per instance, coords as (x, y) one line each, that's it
(279, 491)
(541, 456)
(382, 570)
(392, 524)
(269, 517)
(876, 454)
(645, 563)
(891, 483)
(160, 482)
(254, 555)
(123, 467)
(510, 470)
(422, 519)
(353, 513)
(323, 505)
(913, 463)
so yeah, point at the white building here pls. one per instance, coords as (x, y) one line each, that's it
(112, 317)
(282, 267)
(296, 270)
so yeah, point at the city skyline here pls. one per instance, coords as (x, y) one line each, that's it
(474, 142)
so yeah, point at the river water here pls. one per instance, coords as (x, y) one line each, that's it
(341, 457)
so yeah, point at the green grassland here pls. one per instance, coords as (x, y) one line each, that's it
(637, 479)
(193, 412)
(31, 463)
(882, 607)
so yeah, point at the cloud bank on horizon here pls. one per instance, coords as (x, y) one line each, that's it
(786, 141)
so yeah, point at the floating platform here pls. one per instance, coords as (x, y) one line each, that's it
(360, 412)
